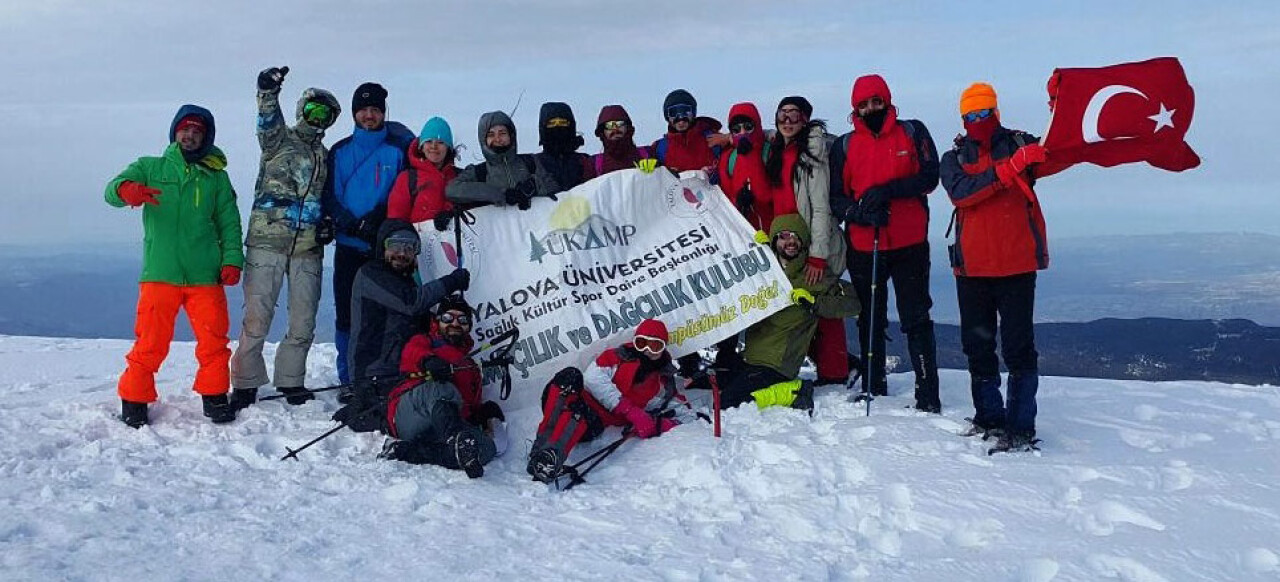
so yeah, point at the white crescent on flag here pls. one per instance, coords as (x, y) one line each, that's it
(1089, 125)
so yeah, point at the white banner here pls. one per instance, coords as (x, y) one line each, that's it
(577, 275)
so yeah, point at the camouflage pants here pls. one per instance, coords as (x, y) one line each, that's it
(265, 272)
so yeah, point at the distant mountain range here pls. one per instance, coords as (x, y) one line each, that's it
(1182, 306)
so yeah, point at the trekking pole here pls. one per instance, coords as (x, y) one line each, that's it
(715, 405)
(293, 453)
(576, 476)
(869, 351)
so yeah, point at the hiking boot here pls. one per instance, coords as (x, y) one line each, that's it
(1015, 441)
(242, 398)
(133, 414)
(544, 465)
(986, 432)
(296, 395)
(346, 393)
(931, 408)
(217, 409)
(466, 449)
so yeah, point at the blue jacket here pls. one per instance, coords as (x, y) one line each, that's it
(362, 169)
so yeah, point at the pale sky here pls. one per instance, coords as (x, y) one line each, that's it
(90, 86)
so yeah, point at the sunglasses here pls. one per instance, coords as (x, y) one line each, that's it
(978, 115)
(615, 125)
(555, 122)
(790, 116)
(680, 111)
(868, 104)
(402, 246)
(649, 344)
(317, 113)
(461, 318)
(742, 127)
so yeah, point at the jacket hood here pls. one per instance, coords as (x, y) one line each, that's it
(319, 96)
(487, 122)
(794, 223)
(749, 111)
(558, 138)
(612, 113)
(210, 130)
(869, 86)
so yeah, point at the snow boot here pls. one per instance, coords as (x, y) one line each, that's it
(217, 408)
(923, 350)
(296, 395)
(346, 393)
(781, 394)
(544, 465)
(1014, 442)
(466, 449)
(133, 414)
(242, 398)
(986, 432)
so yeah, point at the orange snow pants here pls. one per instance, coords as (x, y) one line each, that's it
(158, 305)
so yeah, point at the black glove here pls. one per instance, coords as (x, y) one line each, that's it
(437, 369)
(486, 412)
(874, 199)
(443, 219)
(517, 198)
(366, 229)
(746, 200)
(324, 231)
(568, 379)
(458, 280)
(271, 79)
(859, 215)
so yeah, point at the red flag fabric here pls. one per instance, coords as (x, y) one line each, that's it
(1124, 113)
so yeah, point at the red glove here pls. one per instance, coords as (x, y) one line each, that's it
(815, 262)
(1013, 166)
(666, 424)
(643, 424)
(230, 275)
(136, 194)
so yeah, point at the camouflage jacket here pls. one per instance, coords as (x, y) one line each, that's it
(291, 177)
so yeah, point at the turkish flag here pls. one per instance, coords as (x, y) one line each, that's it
(1124, 113)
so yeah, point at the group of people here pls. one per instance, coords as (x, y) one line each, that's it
(824, 204)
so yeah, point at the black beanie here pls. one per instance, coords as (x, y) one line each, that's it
(369, 94)
(453, 303)
(679, 97)
(799, 102)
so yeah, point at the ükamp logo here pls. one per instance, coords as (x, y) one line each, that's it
(576, 228)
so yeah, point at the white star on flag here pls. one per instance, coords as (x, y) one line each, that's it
(1163, 119)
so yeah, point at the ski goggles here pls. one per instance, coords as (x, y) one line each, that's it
(461, 318)
(402, 246)
(790, 116)
(615, 125)
(978, 115)
(742, 127)
(680, 111)
(317, 113)
(649, 344)
(786, 235)
(555, 122)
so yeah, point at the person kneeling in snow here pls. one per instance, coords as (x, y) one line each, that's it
(437, 413)
(633, 385)
(775, 347)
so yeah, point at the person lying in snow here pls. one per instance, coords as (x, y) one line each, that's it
(775, 347)
(437, 415)
(633, 386)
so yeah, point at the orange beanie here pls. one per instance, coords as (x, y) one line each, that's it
(977, 97)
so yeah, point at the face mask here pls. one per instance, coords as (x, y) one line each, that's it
(744, 145)
(983, 129)
(875, 119)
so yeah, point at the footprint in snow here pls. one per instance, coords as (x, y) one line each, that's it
(1101, 518)
(1121, 568)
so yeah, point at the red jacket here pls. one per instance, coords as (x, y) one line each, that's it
(466, 380)
(689, 150)
(902, 157)
(428, 199)
(736, 171)
(1000, 229)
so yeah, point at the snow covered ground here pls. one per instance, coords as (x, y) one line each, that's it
(1137, 481)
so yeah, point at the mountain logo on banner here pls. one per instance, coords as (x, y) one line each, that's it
(574, 227)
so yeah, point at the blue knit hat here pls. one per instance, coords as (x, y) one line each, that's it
(438, 129)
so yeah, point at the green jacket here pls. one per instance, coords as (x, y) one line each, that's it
(195, 229)
(781, 341)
